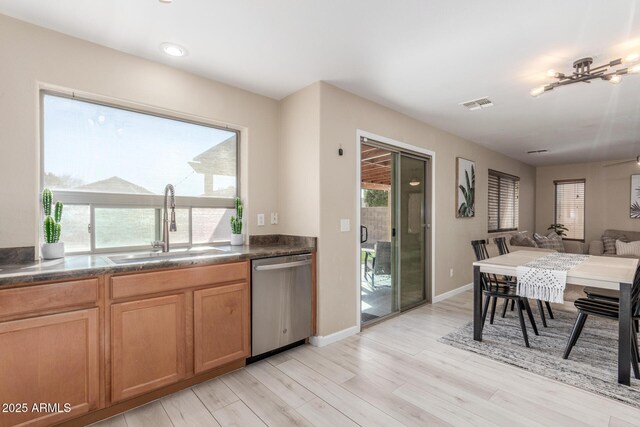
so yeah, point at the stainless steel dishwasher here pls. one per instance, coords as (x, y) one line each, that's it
(280, 302)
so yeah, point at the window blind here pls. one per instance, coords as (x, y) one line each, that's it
(503, 201)
(569, 207)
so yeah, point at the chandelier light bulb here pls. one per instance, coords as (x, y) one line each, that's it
(615, 79)
(635, 69)
(632, 57)
(551, 73)
(537, 91)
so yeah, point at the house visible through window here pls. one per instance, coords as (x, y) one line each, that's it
(503, 201)
(569, 207)
(109, 166)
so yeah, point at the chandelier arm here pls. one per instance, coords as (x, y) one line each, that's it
(584, 79)
(601, 66)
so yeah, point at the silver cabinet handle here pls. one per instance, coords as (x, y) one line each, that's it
(281, 266)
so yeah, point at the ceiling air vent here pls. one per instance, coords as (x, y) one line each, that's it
(476, 104)
(537, 151)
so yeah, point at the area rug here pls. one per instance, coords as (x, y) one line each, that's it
(592, 364)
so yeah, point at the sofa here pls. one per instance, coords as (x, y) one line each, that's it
(513, 242)
(596, 247)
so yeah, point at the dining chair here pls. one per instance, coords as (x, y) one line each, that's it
(494, 288)
(606, 294)
(610, 310)
(503, 249)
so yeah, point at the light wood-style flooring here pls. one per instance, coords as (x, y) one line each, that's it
(393, 373)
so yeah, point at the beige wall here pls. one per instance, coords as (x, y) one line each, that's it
(31, 55)
(341, 115)
(290, 162)
(299, 168)
(607, 195)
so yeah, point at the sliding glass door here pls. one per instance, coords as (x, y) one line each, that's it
(413, 231)
(378, 271)
(394, 234)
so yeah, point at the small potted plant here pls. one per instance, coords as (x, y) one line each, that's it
(559, 229)
(52, 247)
(237, 238)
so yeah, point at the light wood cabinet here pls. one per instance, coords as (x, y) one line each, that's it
(107, 342)
(221, 325)
(50, 359)
(148, 343)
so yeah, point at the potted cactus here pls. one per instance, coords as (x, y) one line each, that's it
(52, 247)
(237, 238)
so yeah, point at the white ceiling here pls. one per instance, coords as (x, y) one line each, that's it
(416, 56)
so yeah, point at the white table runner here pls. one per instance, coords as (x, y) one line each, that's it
(546, 278)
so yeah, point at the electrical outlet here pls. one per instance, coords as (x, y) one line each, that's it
(274, 218)
(451, 272)
(260, 220)
(345, 225)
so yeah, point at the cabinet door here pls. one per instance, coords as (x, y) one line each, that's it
(147, 345)
(221, 325)
(51, 360)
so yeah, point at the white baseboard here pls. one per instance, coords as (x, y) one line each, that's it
(321, 341)
(454, 292)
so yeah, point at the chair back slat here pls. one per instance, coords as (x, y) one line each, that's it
(480, 249)
(501, 242)
(635, 293)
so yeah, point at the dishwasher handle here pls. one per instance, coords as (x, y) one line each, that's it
(282, 265)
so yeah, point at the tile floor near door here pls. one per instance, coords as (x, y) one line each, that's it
(393, 373)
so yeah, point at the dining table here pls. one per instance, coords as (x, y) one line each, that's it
(602, 272)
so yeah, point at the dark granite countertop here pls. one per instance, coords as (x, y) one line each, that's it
(74, 266)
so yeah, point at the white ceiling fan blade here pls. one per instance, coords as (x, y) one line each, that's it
(636, 160)
(620, 163)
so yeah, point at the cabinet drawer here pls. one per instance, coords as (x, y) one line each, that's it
(179, 279)
(36, 298)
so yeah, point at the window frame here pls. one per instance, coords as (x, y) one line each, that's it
(582, 181)
(516, 179)
(135, 201)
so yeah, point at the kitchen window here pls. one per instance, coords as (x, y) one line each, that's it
(504, 206)
(569, 207)
(109, 166)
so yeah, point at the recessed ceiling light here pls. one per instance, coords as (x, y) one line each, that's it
(173, 49)
(166, 1)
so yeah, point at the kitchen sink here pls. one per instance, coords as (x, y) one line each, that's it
(142, 257)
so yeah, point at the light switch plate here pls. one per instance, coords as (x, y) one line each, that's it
(274, 218)
(345, 225)
(260, 219)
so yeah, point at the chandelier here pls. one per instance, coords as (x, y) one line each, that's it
(583, 72)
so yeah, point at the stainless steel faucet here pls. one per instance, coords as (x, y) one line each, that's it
(166, 226)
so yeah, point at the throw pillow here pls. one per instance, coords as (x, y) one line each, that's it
(521, 239)
(609, 244)
(552, 241)
(632, 248)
